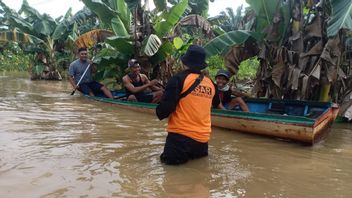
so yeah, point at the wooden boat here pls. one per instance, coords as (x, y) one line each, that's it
(302, 121)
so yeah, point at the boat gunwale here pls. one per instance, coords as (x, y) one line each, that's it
(298, 120)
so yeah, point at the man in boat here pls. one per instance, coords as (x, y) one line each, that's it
(187, 102)
(87, 85)
(222, 79)
(138, 87)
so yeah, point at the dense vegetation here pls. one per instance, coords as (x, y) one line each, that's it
(12, 58)
(292, 49)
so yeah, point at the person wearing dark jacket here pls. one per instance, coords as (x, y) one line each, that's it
(187, 102)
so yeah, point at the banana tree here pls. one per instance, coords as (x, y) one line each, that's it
(135, 35)
(48, 35)
(297, 59)
(228, 20)
(197, 7)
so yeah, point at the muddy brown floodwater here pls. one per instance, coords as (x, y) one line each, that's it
(56, 145)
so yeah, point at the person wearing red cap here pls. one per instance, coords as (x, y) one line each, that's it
(187, 102)
(138, 87)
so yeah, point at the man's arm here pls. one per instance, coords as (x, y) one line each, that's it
(146, 81)
(216, 99)
(239, 94)
(71, 73)
(72, 81)
(128, 85)
(169, 99)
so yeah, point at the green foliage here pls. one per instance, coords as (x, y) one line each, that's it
(110, 64)
(38, 69)
(265, 11)
(15, 60)
(118, 27)
(151, 45)
(341, 16)
(160, 4)
(169, 19)
(214, 64)
(199, 7)
(178, 42)
(222, 44)
(248, 69)
(102, 10)
(227, 20)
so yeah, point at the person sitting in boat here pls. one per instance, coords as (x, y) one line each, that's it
(138, 87)
(222, 79)
(87, 86)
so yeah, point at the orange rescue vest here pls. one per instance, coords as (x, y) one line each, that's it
(192, 117)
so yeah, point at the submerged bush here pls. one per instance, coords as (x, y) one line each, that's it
(15, 60)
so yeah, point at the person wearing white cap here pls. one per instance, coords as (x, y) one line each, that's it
(138, 87)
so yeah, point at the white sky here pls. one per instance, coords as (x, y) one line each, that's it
(56, 8)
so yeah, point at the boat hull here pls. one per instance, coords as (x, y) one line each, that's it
(301, 132)
(294, 128)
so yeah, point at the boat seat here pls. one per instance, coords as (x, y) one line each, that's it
(305, 111)
(314, 114)
(276, 108)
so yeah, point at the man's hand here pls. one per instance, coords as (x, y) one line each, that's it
(153, 82)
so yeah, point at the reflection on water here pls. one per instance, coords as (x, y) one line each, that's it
(56, 145)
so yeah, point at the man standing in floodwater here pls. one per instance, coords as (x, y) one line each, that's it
(187, 101)
(87, 85)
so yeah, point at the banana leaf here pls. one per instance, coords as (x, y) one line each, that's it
(178, 43)
(341, 17)
(124, 13)
(199, 7)
(222, 44)
(21, 24)
(121, 44)
(152, 45)
(118, 27)
(171, 18)
(198, 21)
(44, 26)
(89, 39)
(28, 10)
(63, 26)
(42, 23)
(15, 36)
(165, 50)
(160, 4)
(104, 12)
(265, 11)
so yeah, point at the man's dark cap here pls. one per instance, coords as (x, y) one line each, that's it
(224, 73)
